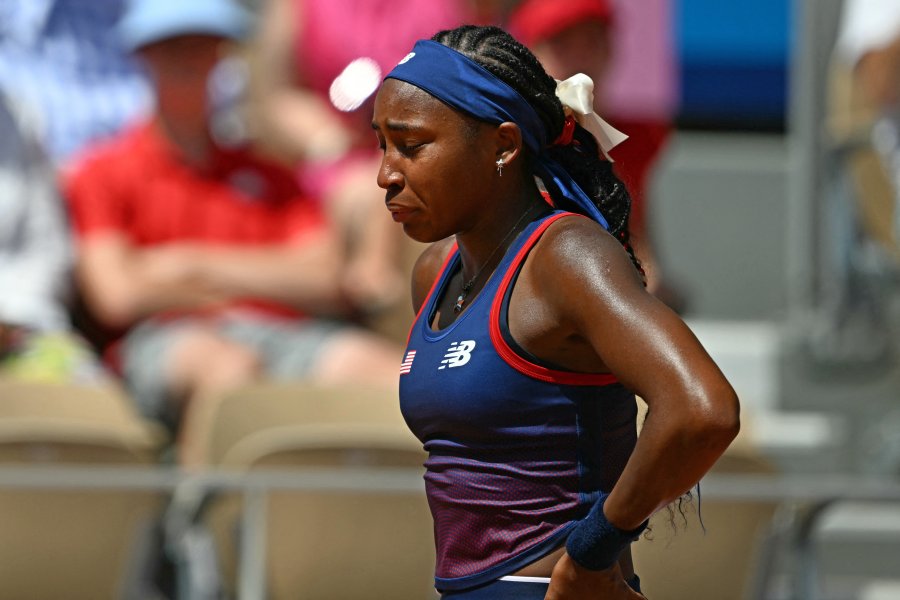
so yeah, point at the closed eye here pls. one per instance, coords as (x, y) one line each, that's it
(410, 148)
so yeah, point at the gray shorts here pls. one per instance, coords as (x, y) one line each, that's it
(287, 349)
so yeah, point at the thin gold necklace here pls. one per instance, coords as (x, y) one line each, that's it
(468, 285)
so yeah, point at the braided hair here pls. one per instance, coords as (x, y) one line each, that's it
(511, 62)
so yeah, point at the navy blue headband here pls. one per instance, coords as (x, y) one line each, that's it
(465, 85)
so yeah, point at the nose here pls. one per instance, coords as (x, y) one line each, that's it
(388, 176)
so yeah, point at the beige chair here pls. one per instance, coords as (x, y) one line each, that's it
(326, 545)
(71, 543)
(678, 560)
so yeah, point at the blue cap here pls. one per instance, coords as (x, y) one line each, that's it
(147, 21)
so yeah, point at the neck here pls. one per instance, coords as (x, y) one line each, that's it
(470, 284)
(481, 249)
(190, 138)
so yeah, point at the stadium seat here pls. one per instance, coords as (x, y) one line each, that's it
(328, 545)
(72, 543)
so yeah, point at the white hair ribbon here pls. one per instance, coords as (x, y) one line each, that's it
(577, 94)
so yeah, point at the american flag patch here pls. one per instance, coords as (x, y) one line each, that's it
(406, 365)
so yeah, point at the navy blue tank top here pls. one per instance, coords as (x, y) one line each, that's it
(517, 451)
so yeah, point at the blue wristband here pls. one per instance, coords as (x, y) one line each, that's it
(595, 543)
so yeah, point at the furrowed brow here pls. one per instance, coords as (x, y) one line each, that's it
(395, 126)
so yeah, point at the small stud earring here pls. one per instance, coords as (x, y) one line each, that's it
(500, 166)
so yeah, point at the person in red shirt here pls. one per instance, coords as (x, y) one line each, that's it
(209, 262)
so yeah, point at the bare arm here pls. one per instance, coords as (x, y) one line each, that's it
(123, 284)
(305, 276)
(596, 316)
(589, 284)
(288, 120)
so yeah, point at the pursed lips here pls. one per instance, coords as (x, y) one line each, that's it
(398, 211)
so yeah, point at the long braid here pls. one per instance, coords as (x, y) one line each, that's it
(513, 63)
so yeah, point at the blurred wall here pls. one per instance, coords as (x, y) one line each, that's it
(737, 201)
(733, 62)
(718, 222)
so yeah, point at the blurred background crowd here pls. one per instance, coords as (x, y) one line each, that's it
(193, 246)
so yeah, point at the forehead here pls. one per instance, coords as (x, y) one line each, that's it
(398, 100)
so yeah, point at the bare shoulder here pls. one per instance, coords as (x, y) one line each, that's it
(427, 268)
(576, 252)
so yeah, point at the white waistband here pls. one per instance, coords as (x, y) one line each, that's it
(525, 579)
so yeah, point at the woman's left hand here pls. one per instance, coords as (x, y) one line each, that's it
(569, 581)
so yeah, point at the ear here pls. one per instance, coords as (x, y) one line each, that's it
(509, 143)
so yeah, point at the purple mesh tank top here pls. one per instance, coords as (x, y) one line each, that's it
(517, 451)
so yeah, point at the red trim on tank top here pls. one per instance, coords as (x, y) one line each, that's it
(509, 355)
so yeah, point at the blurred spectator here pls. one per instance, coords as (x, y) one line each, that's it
(209, 258)
(592, 37)
(570, 37)
(861, 287)
(315, 66)
(490, 12)
(63, 58)
(866, 108)
(36, 338)
(309, 105)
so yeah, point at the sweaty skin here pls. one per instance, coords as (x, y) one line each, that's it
(578, 303)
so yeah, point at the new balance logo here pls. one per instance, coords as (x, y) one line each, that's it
(406, 365)
(458, 354)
